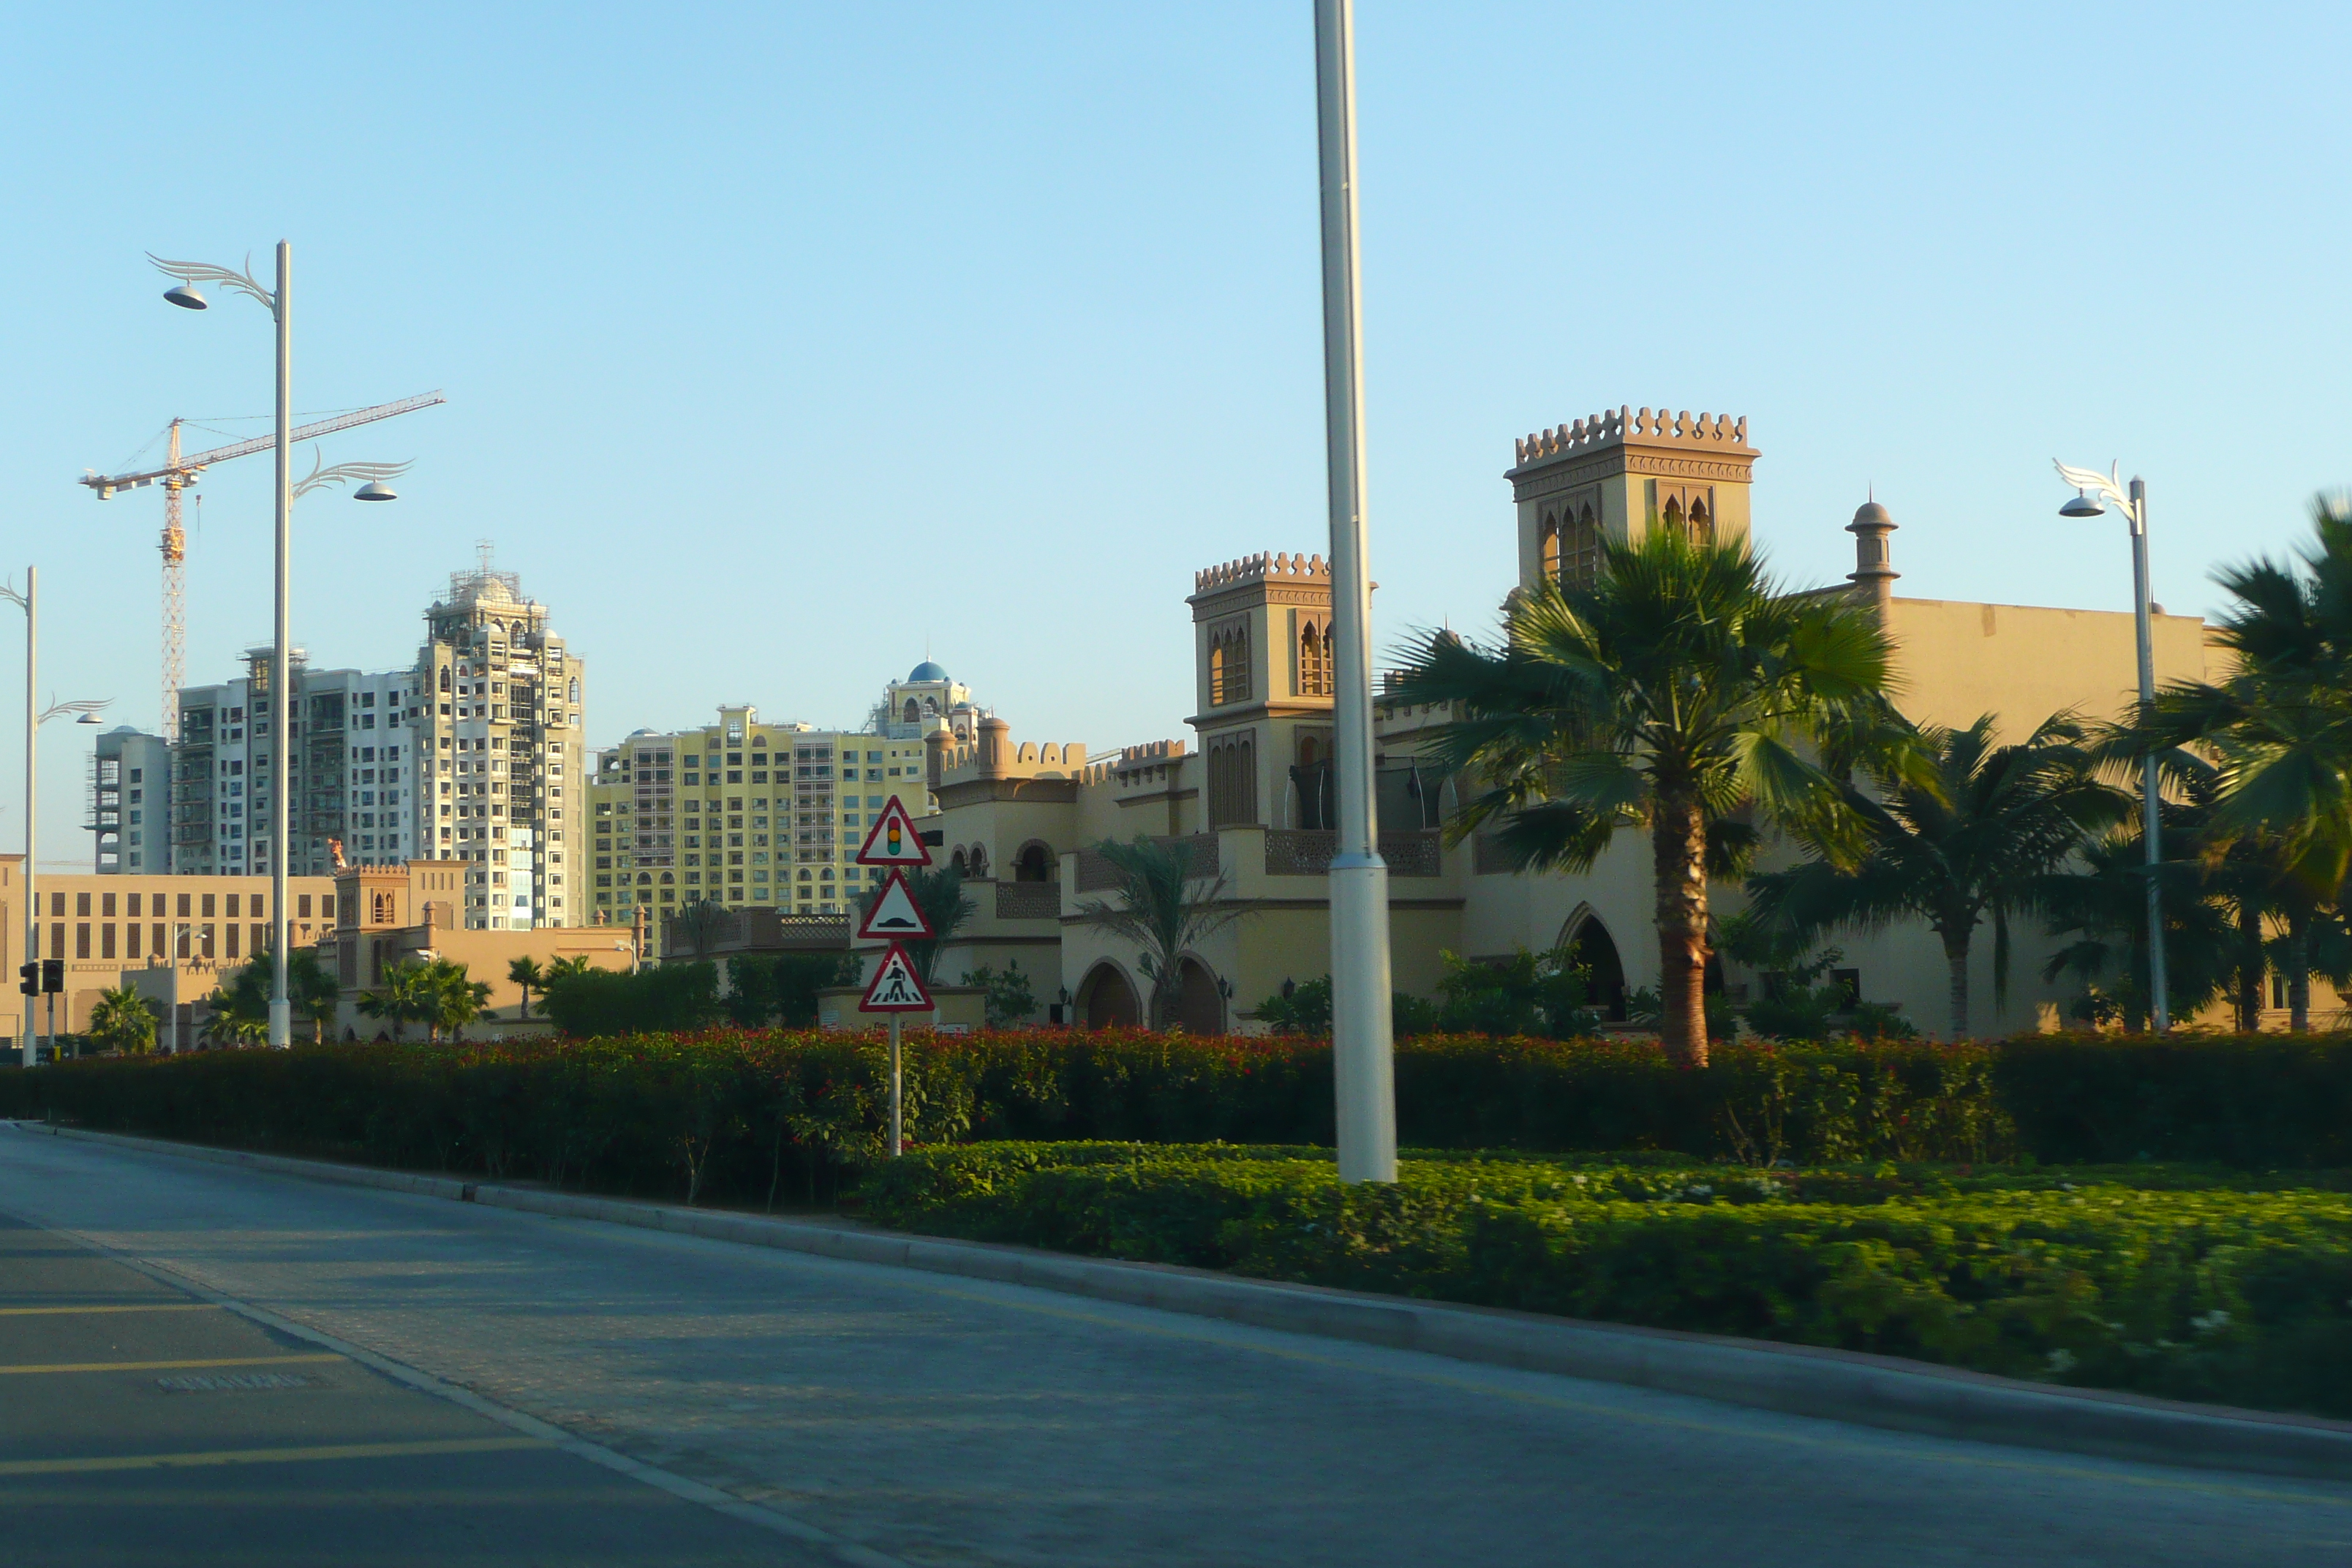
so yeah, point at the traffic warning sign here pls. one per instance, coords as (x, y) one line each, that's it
(893, 840)
(896, 987)
(895, 913)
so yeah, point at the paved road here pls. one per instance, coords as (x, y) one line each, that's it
(930, 1420)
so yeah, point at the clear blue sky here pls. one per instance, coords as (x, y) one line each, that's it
(781, 341)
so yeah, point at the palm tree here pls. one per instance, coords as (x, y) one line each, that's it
(526, 972)
(123, 1021)
(1164, 908)
(1679, 691)
(406, 993)
(2278, 732)
(1973, 834)
(2103, 907)
(450, 1001)
(938, 892)
(701, 923)
(312, 990)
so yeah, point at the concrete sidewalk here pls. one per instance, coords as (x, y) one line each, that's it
(1841, 1385)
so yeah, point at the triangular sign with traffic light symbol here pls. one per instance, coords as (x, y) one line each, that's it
(895, 913)
(895, 987)
(893, 840)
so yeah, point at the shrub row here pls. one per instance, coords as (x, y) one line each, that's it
(2205, 1290)
(746, 1115)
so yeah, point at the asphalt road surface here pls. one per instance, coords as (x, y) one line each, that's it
(599, 1380)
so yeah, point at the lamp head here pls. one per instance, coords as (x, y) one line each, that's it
(185, 295)
(2083, 505)
(89, 718)
(375, 489)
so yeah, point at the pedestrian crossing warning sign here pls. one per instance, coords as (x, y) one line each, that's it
(894, 912)
(895, 987)
(893, 840)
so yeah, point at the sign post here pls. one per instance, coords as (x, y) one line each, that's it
(895, 916)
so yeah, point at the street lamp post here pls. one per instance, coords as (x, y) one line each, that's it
(29, 600)
(1363, 1074)
(185, 295)
(2089, 484)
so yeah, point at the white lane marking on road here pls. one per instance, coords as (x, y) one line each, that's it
(159, 1365)
(99, 1464)
(156, 1307)
(542, 1432)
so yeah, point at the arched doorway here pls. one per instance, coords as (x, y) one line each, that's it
(1200, 1005)
(1108, 1000)
(1593, 949)
(1035, 863)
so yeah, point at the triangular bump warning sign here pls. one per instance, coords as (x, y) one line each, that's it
(895, 987)
(893, 840)
(894, 912)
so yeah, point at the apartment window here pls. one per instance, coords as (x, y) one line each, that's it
(134, 909)
(185, 910)
(208, 905)
(56, 903)
(81, 939)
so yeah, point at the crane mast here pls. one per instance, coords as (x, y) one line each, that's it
(175, 592)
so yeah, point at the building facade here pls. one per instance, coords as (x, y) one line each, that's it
(498, 705)
(749, 815)
(1250, 793)
(466, 756)
(173, 937)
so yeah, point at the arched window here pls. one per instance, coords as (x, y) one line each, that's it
(575, 692)
(1314, 660)
(1233, 783)
(1229, 661)
(445, 678)
(1035, 863)
(962, 866)
(930, 704)
(913, 712)
(1702, 527)
(1548, 544)
(1580, 565)
(1672, 520)
(979, 861)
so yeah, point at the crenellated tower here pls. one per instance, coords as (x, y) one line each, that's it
(1262, 663)
(1616, 476)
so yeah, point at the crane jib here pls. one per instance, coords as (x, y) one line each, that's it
(188, 467)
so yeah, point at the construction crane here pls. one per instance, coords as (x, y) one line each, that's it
(180, 472)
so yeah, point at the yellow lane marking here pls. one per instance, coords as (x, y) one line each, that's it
(1679, 1423)
(264, 1455)
(158, 1307)
(165, 1366)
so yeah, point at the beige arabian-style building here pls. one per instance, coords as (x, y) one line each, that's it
(1251, 788)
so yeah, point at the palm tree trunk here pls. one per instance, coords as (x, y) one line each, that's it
(2250, 966)
(1679, 855)
(1955, 970)
(2298, 975)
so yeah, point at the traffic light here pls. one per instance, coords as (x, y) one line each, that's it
(28, 979)
(53, 975)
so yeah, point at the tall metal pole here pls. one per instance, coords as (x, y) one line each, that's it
(897, 1100)
(1362, 1073)
(281, 698)
(32, 791)
(2160, 1012)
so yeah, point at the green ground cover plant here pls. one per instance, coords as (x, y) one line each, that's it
(2205, 1285)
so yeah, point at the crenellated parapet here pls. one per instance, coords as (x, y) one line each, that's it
(1132, 759)
(1707, 432)
(1262, 568)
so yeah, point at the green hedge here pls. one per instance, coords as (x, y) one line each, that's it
(2201, 1288)
(746, 1116)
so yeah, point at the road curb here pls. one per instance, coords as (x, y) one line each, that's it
(1839, 1385)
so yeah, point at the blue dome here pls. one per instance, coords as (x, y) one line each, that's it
(925, 670)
